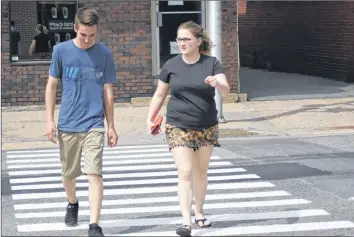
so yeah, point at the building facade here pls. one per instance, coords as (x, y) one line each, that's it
(141, 35)
(306, 37)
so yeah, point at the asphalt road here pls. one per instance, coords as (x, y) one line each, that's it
(271, 186)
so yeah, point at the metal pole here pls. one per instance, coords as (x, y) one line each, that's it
(215, 31)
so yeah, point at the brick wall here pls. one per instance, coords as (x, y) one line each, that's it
(125, 27)
(127, 32)
(314, 38)
(229, 40)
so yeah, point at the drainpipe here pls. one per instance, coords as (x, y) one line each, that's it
(215, 31)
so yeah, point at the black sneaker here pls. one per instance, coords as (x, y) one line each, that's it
(72, 212)
(95, 230)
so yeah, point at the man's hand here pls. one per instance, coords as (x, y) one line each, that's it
(112, 137)
(51, 132)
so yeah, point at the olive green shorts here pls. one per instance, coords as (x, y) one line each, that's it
(72, 145)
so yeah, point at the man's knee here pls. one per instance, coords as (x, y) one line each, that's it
(71, 175)
(94, 178)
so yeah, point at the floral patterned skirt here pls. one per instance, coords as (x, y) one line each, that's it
(192, 138)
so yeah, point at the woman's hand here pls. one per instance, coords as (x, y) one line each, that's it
(212, 81)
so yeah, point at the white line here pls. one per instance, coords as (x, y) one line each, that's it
(351, 198)
(174, 220)
(167, 208)
(105, 162)
(134, 182)
(125, 175)
(106, 148)
(115, 157)
(104, 153)
(261, 229)
(109, 192)
(119, 168)
(209, 197)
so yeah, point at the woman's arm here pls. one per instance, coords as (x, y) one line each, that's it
(222, 85)
(157, 100)
(32, 47)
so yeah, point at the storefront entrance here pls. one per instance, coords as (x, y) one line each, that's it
(169, 15)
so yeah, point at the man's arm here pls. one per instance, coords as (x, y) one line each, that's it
(109, 104)
(50, 98)
(55, 72)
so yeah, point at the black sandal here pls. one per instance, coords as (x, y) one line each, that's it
(183, 231)
(203, 221)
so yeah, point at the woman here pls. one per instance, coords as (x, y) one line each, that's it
(191, 124)
(40, 43)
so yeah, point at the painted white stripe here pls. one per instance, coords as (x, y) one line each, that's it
(209, 197)
(167, 208)
(105, 162)
(106, 148)
(119, 168)
(134, 182)
(174, 220)
(351, 198)
(105, 153)
(261, 229)
(123, 157)
(109, 192)
(125, 175)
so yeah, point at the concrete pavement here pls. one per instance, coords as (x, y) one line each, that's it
(24, 129)
(263, 85)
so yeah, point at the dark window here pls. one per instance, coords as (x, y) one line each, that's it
(36, 27)
(178, 6)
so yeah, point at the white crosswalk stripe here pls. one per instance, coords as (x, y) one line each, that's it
(140, 197)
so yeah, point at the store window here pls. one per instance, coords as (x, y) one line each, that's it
(36, 27)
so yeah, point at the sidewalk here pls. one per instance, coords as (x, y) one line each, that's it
(313, 117)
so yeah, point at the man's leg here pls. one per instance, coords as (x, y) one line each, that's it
(70, 157)
(93, 151)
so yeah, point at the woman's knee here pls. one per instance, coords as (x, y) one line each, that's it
(185, 174)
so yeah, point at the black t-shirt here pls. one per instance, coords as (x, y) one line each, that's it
(41, 43)
(192, 103)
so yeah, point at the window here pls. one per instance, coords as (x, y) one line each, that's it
(36, 27)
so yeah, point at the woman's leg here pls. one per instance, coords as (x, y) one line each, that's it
(184, 157)
(200, 180)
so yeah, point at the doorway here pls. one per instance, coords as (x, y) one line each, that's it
(169, 15)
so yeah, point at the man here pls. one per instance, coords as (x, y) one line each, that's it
(87, 71)
(15, 39)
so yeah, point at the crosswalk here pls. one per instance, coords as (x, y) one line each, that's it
(140, 197)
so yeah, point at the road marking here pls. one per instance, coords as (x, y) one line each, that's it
(105, 158)
(173, 181)
(110, 192)
(105, 148)
(167, 208)
(123, 175)
(115, 168)
(104, 153)
(174, 220)
(209, 197)
(261, 229)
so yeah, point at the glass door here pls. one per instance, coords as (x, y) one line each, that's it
(170, 14)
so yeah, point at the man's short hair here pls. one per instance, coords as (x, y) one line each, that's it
(86, 16)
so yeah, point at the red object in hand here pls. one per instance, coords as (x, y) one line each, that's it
(157, 125)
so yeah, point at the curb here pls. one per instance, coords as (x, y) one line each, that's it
(135, 102)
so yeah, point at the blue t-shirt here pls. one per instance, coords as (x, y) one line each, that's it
(83, 73)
